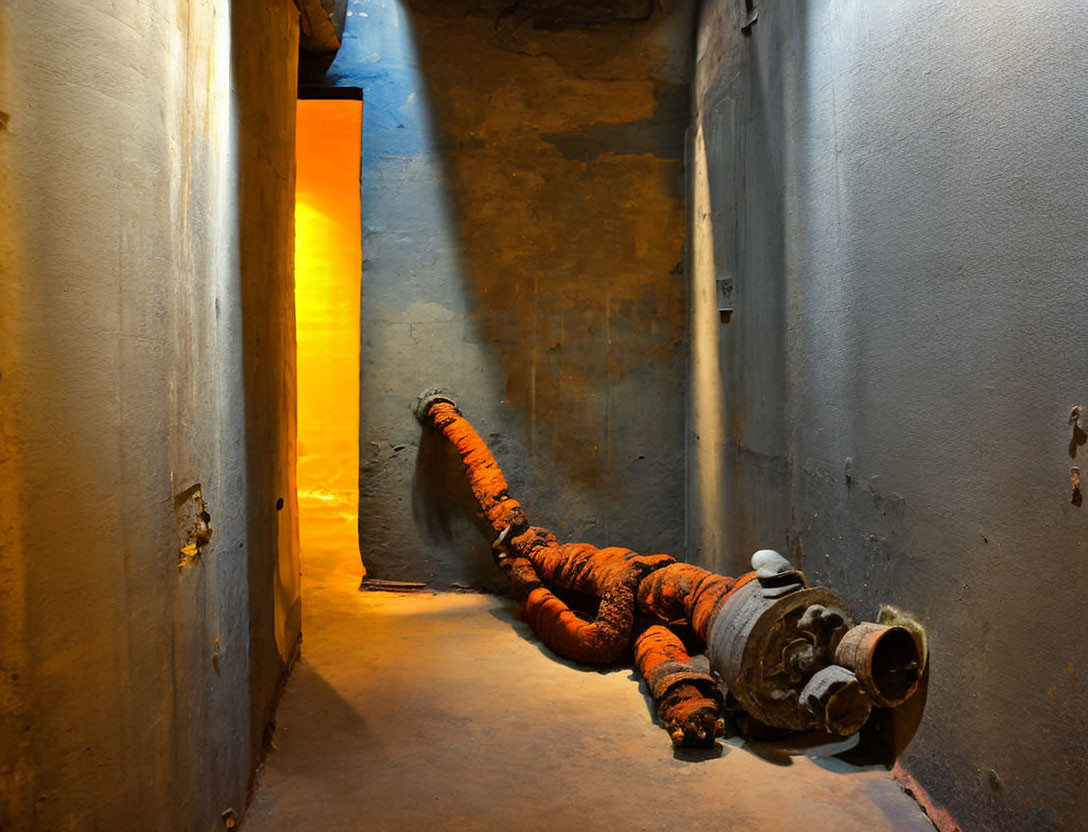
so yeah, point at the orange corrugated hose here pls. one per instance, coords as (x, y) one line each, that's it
(669, 593)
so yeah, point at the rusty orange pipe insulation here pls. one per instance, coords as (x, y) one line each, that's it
(671, 593)
(689, 701)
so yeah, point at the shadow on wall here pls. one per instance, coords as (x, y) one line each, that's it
(443, 505)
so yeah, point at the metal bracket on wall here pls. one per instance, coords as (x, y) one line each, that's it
(724, 291)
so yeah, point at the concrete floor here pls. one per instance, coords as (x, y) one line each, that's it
(442, 711)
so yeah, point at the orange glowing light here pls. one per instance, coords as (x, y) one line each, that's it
(328, 262)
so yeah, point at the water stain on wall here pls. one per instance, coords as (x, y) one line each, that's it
(564, 149)
(523, 230)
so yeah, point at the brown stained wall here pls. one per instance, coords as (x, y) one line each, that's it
(572, 232)
(145, 248)
(523, 241)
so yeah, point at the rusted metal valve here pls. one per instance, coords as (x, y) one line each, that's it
(781, 653)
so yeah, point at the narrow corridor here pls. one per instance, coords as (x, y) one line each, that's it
(792, 292)
(418, 711)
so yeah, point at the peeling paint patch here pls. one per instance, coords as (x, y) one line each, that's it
(194, 522)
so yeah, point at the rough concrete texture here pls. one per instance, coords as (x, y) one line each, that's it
(146, 169)
(522, 233)
(443, 711)
(899, 192)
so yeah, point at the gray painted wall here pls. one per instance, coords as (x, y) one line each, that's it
(900, 192)
(146, 203)
(523, 232)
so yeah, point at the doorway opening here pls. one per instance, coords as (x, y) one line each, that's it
(328, 265)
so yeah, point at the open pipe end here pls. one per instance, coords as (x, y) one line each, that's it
(835, 697)
(886, 659)
(698, 724)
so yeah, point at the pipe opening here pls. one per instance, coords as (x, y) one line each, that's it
(896, 664)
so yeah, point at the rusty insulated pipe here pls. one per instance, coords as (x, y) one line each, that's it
(531, 556)
(621, 578)
(688, 700)
(790, 653)
(438, 409)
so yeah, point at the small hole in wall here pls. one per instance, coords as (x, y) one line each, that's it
(279, 504)
(726, 315)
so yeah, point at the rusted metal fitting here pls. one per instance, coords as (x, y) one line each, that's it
(886, 660)
(771, 636)
(427, 399)
(668, 675)
(835, 696)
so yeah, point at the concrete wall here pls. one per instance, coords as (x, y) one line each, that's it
(898, 191)
(523, 235)
(146, 162)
